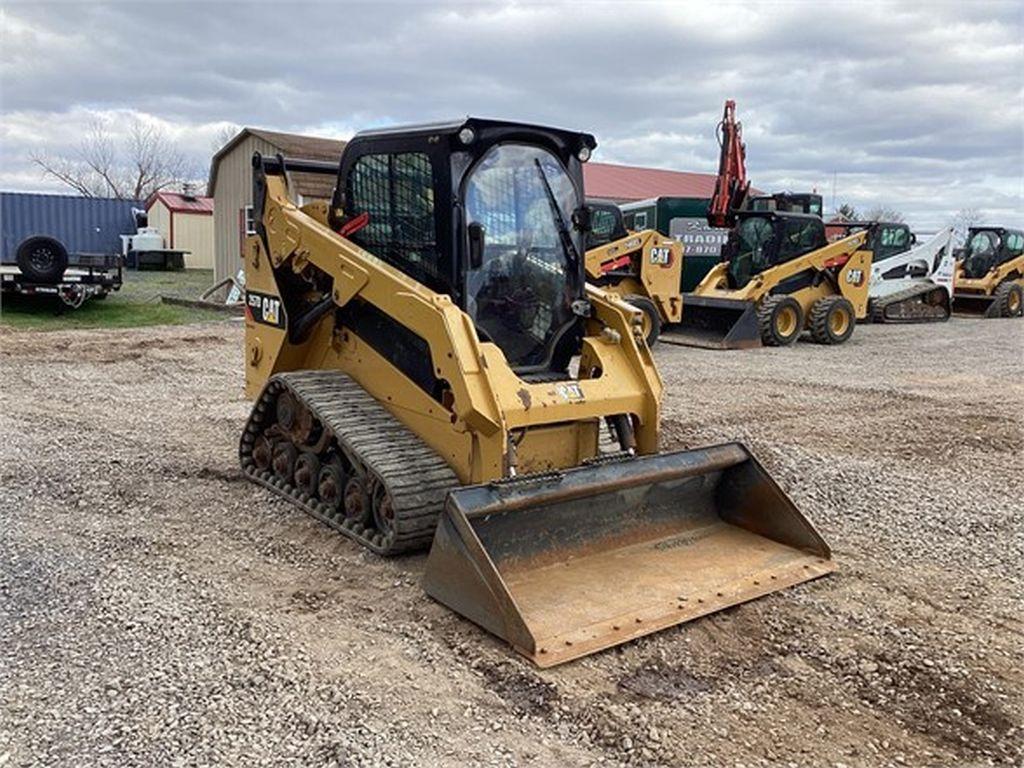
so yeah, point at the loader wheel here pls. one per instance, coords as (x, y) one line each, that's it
(832, 320)
(651, 318)
(1009, 298)
(307, 472)
(781, 320)
(285, 455)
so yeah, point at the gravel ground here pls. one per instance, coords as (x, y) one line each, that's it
(156, 609)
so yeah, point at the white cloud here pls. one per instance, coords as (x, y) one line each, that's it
(916, 106)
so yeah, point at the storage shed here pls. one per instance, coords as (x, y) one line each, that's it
(186, 223)
(230, 186)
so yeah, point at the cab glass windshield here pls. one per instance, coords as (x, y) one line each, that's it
(751, 249)
(521, 294)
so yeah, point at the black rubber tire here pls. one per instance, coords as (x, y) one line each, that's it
(651, 315)
(825, 323)
(772, 311)
(42, 259)
(1009, 297)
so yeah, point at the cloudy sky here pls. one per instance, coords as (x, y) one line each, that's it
(917, 106)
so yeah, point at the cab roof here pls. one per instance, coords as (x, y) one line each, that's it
(452, 128)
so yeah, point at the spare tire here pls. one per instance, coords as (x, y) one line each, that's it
(42, 259)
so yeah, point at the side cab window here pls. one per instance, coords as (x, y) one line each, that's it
(397, 192)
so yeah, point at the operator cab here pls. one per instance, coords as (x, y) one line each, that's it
(885, 240)
(764, 239)
(988, 247)
(606, 224)
(489, 212)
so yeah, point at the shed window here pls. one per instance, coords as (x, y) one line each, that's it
(249, 221)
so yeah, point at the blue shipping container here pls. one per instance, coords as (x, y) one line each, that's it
(81, 224)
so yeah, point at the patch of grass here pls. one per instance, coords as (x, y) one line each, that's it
(136, 304)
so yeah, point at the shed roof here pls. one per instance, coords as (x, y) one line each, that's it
(625, 183)
(180, 203)
(290, 145)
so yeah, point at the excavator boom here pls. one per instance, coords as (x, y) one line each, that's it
(731, 186)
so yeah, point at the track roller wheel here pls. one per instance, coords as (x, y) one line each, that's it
(287, 411)
(330, 486)
(357, 500)
(263, 453)
(307, 472)
(832, 320)
(285, 455)
(1009, 297)
(384, 514)
(781, 320)
(651, 318)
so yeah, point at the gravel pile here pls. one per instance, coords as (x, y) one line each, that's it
(156, 609)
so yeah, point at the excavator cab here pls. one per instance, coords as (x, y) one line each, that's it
(788, 202)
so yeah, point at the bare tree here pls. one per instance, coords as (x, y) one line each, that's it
(143, 162)
(882, 213)
(224, 135)
(847, 212)
(962, 221)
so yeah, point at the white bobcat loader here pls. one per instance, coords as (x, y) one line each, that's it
(910, 282)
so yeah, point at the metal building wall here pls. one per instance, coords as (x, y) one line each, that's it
(233, 192)
(81, 224)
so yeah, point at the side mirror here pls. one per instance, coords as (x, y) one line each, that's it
(476, 233)
(581, 218)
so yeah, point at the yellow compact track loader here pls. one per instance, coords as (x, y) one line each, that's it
(645, 268)
(429, 365)
(990, 274)
(780, 277)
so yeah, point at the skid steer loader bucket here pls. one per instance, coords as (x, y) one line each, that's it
(567, 564)
(715, 324)
(975, 305)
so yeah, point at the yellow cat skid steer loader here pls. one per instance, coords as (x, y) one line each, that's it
(645, 268)
(990, 274)
(408, 347)
(780, 277)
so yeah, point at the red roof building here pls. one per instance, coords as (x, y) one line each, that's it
(181, 203)
(627, 183)
(186, 223)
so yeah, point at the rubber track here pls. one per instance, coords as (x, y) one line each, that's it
(879, 306)
(417, 479)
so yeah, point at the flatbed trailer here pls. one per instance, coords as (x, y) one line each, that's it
(88, 275)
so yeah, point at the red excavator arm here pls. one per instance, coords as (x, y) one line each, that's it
(732, 186)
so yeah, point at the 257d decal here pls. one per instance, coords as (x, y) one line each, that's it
(264, 308)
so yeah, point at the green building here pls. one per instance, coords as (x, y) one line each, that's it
(683, 218)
